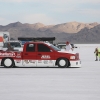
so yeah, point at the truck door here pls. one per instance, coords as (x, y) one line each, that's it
(29, 55)
(45, 56)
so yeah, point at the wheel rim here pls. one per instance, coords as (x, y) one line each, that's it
(8, 62)
(62, 62)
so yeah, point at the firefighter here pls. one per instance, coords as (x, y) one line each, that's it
(96, 53)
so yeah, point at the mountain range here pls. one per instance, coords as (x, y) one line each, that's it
(75, 32)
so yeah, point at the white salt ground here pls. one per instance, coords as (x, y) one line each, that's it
(54, 83)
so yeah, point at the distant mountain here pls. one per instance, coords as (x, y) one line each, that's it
(71, 27)
(86, 36)
(75, 32)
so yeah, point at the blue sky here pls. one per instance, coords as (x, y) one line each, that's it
(49, 12)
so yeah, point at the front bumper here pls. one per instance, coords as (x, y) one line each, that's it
(76, 63)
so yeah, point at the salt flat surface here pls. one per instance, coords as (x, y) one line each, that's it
(54, 83)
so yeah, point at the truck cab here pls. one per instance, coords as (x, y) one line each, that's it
(40, 54)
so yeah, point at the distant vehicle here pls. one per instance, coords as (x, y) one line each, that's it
(62, 46)
(23, 42)
(16, 45)
(4, 37)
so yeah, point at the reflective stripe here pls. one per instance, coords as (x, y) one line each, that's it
(99, 50)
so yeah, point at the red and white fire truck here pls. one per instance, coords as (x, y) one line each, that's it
(39, 54)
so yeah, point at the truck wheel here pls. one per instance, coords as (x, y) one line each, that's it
(8, 63)
(62, 63)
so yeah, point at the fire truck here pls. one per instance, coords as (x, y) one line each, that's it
(39, 54)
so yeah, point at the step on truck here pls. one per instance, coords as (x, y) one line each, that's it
(39, 54)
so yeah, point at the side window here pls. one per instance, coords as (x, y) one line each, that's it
(43, 48)
(30, 48)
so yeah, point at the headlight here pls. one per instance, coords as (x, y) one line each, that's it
(72, 57)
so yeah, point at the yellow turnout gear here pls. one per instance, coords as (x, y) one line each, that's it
(98, 52)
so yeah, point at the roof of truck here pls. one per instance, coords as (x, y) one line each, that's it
(46, 42)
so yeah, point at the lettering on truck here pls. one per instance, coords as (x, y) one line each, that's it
(45, 57)
(12, 54)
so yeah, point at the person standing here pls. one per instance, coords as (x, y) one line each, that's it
(96, 53)
(68, 46)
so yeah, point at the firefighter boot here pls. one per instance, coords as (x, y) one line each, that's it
(96, 58)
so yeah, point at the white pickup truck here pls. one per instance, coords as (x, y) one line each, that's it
(62, 46)
(16, 45)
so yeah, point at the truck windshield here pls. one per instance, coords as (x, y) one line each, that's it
(62, 46)
(13, 44)
(55, 48)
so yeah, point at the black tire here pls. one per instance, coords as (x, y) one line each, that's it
(63, 63)
(8, 63)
